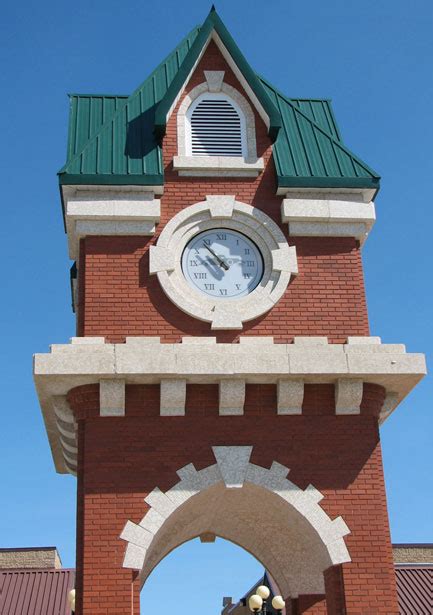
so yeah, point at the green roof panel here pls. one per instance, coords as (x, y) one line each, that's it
(309, 152)
(115, 139)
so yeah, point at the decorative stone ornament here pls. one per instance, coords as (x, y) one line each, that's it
(145, 360)
(223, 212)
(236, 479)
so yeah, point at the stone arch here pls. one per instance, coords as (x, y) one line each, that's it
(259, 509)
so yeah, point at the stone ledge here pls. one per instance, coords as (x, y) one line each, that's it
(215, 166)
(121, 212)
(328, 217)
(202, 361)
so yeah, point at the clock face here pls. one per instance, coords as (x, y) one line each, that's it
(222, 263)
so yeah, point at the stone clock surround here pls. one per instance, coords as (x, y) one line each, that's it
(223, 211)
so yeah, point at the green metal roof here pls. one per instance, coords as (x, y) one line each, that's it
(308, 153)
(87, 114)
(121, 148)
(115, 139)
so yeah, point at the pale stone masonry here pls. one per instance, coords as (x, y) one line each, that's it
(30, 557)
(413, 553)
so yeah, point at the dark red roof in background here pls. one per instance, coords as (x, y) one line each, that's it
(415, 588)
(35, 592)
(44, 592)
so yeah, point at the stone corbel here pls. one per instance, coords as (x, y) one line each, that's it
(348, 396)
(290, 395)
(173, 396)
(67, 428)
(231, 397)
(112, 397)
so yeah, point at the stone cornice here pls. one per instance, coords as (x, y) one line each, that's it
(120, 211)
(255, 360)
(328, 215)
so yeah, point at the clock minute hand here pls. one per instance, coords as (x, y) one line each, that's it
(221, 262)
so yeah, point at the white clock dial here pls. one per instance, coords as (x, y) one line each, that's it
(222, 263)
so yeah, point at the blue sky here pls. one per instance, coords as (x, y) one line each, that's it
(372, 58)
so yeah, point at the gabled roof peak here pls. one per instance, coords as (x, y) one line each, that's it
(116, 140)
(213, 27)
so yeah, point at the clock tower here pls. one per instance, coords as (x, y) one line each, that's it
(223, 380)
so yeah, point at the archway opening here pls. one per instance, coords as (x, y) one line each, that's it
(195, 577)
(281, 525)
(259, 521)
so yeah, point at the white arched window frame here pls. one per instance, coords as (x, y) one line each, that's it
(247, 165)
(218, 97)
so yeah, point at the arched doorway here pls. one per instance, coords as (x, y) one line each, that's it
(259, 509)
(194, 578)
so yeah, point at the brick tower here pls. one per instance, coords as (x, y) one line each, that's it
(222, 338)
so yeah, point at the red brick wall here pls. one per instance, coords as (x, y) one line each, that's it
(124, 458)
(334, 587)
(118, 297)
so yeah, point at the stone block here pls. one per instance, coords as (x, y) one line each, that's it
(290, 395)
(233, 463)
(214, 79)
(134, 557)
(221, 206)
(136, 534)
(173, 396)
(348, 396)
(231, 397)
(112, 397)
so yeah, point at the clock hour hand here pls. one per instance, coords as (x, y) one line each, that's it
(221, 262)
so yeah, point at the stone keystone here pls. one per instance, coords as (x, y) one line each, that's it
(233, 464)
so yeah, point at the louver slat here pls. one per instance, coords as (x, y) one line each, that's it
(215, 129)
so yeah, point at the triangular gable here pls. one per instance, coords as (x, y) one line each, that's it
(125, 150)
(213, 28)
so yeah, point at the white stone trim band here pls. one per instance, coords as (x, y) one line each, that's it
(202, 361)
(110, 212)
(233, 470)
(223, 211)
(329, 216)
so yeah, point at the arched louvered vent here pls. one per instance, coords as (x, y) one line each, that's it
(216, 128)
